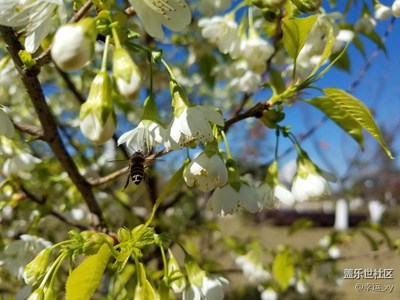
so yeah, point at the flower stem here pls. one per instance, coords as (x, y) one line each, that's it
(170, 186)
(53, 269)
(168, 69)
(164, 259)
(116, 37)
(105, 54)
(228, 150)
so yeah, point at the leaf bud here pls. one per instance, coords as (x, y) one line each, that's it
(307, 6)
(36, 269)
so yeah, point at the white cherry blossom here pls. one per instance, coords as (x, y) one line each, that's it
(243, 79)
(21, 162)
(382, 12)
(206, 172)
(269, 294)
(223, 31)
(34, 16)
(253, 271)
(95, 131)
(193, 122)
(227, 200)
(256, 51)
(396, 8)
(173, 14)
(270, 195)
(73, 45)
(376, 210)
(6, 126)
(312, 186)
(211, 289)
(146, 135)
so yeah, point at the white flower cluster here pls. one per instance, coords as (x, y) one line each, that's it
(34, 16)
(211, 289)
(250, 53)
(253, 271)
(308, 184)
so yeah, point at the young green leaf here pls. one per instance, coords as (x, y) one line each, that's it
(358, 112)
(327, 51)
(83, 280)
(295, 31)
(340, 116)
(283, 269)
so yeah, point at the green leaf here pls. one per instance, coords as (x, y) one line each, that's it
(83, 280)
(327, 51)
(360, 46)
(283, 269)
(295, 31)
(343, 62)
(331, 64)
(277, 83)
(359, 112)
(299, 224)
(340, 116)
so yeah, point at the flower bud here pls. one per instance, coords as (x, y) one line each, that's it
(37, 295)
(93, 241)
(396, 8)
(97, 115)
(126, 74)
(307, 6)
(36, 269)
(382, 12)
(73, 45)
(269, 4)
(177, 279)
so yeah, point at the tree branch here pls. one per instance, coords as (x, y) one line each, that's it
(52, 212)
(255, 111)
(109, 177)
(50, 134)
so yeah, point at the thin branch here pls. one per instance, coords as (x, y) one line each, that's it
(52, 212)
(50, 133)
(70, 85)
(110, 177)
(255, 111)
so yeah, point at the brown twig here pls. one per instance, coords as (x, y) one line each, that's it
(50, 133)
(255, 111)
(110, 177)
(52, 212)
